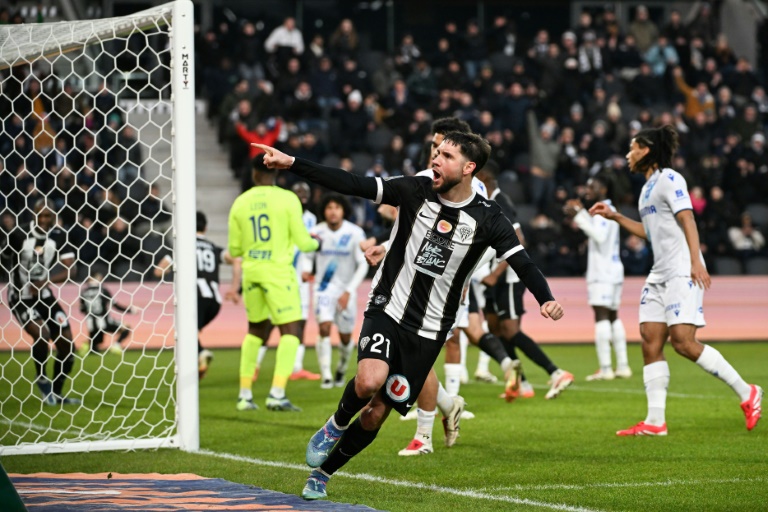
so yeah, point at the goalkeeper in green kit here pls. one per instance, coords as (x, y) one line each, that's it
(265, 225)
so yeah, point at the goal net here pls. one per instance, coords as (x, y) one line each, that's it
(97, 185)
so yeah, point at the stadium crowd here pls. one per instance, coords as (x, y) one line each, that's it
(71, 145)
(557, 110)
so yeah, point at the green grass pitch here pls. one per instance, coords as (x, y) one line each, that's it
(529, 455)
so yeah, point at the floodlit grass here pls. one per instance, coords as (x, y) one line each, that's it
(532, 454)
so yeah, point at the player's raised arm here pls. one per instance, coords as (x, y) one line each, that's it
(332, 178)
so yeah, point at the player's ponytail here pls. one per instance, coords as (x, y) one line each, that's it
(662, 144)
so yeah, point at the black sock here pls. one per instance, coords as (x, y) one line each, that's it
(531, 349)
(349, 405)
(492, 346)
(62, 366)
(96, 340)
(354, 440)
(509, 346)
(125, 333)
(40, 354)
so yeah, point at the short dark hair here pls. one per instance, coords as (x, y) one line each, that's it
(450, 124)
(339, 199)
(258, 164)
(492, 168)
(472, 147)
(662, 142)
(202, 221)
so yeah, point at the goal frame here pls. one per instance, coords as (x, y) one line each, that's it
(187, 429)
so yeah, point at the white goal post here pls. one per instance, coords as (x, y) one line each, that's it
(119, 159)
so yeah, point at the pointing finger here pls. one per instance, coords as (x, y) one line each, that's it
(266, 149)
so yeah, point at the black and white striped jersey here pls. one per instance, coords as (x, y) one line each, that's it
(209, 259)
(30, 254)
(435, 247)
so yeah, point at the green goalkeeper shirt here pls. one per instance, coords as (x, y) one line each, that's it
(265, 225)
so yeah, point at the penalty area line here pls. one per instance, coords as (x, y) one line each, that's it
(467, 493)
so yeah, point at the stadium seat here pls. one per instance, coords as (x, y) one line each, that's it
(525, 212)
(629, 211)
(759, 214)
(727, 266)
(510, 185)
(362, 161)
(331, 160)
(757, 266)
(378, 140)
(371, 61)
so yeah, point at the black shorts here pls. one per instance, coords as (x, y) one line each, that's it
(410, 357)
(44, 309)
(207, 309)
(509, 300)
(102, 323)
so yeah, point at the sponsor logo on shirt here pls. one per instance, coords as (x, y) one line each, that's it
(444, 227)
(647, 210)
(364, 341)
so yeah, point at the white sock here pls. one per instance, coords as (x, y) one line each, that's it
(452, 378)
(276, 392)
(323, 349)
(298, 363)
(714, 362)
(245, 394)
(262, 353)
(444, 400)
(506, 364)
(482, 363)
(619, 340)
(425, 420)
(603, 344)
(344, 352)
(656, 380)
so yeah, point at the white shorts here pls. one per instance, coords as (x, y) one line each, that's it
(326, 309)
(306, 300)
(462, 316)
(607, 295)
(678, 301)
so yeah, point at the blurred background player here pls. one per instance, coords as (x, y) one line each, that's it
(605, 279)
(671, 303)
(209, 259)
(96, 303)
(340, 268)
(304, 276)
(265, 227)
(36, 256)
(504, 310)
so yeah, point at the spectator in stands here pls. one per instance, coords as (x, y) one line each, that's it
(303, 109)
(474, 49)
(643, 29)
(284, 43)
(265, 133)
(422, 83)
(324, 82)
(354, 124)
(697, 99)
(343, 43)
(289, 80)
(636, 256)
(661, 56)
(351, 77)
(406, 55)
(746, 240)
(249, 54)
(544, 150)
(747, 124)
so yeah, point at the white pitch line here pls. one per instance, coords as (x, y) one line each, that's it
(661, 483)
(468, 493)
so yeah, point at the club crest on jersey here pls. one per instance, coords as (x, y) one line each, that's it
(464, 233)
(364, 342)
(379, 300)
(444, 227)
(398, 388)
(39, 249)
